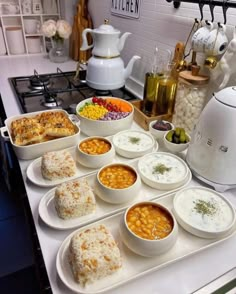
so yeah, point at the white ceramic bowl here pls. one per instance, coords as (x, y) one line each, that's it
(117, 196)
(92, 127)
(158, 134)
(95, 160)
(162, 170)
(173, 147)
(203, 212)
(132, 143)
(147, 247)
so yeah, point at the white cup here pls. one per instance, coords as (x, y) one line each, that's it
(33, 44)
(15, 40)
(216, 43)
(31, 25)
(199, 37)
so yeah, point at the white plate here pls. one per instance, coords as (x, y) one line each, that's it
(134, 266)
(49, 215)
(35, 176)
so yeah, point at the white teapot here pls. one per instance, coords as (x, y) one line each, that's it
(105, 69)
(106, 41)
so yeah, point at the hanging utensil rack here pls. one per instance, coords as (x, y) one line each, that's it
(228, 4)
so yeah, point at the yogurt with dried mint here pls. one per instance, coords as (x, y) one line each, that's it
(204, 209)
(162, 167)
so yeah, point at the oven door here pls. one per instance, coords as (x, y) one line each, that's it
(10, 167)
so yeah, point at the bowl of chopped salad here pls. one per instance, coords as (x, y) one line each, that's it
(104, 116)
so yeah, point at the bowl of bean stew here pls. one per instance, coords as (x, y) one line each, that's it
(104, 116)
(117, 183)
(148, 229)
(95, 152)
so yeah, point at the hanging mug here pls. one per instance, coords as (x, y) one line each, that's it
(198, 38)
(217, 41)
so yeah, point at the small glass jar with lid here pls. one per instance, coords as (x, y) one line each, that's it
(190, 99)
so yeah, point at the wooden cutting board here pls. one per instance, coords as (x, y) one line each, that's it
(178, 57)
(82, 20)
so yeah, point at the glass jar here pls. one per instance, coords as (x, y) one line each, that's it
(190, 100)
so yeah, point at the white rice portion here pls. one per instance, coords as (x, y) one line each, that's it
(93, 255)
(74, 199)
(58, 165)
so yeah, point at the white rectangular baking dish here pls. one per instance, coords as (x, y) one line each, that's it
(36, 150)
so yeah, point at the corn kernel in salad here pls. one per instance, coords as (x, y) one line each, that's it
(93, 111)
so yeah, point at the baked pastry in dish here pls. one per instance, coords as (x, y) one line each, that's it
(74, 199)
(93, 254)
(56, 124)
(27, 131)
(43, 127)
(58, 165)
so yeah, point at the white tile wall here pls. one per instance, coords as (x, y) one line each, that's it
(160, 24)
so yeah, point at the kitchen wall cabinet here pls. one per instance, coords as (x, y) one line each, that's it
(20, 22)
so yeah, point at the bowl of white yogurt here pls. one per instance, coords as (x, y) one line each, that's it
(134, 143)
(163, 170)
(204, 212)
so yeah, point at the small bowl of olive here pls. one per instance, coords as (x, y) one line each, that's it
(158, 128)
(177, 140)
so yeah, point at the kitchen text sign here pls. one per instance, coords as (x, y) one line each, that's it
(126, 8)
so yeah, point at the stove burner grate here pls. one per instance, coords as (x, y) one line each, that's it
(56, 90)
(103, 93)
(39, 83)
(51, 101)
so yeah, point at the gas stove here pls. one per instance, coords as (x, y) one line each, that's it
(61, 90)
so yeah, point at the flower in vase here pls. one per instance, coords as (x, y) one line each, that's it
(58, 31)
(49, 28)
(64, 29)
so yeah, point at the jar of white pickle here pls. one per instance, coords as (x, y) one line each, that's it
(190, 99)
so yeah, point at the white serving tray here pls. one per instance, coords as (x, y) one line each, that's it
(134, 266)
(35, 176)
(49, 215)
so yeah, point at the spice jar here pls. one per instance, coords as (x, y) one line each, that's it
(190, 99)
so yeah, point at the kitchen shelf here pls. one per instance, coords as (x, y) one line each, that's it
(33, 35)
(31, 42)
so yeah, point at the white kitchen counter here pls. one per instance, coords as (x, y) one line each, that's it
(181, 277)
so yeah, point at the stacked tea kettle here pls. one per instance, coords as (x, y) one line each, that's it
(105, 69)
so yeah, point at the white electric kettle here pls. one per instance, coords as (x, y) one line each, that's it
(105, 69)
(212, 151)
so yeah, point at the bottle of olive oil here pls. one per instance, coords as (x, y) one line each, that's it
(150, 92)
(166, 91)
(151, 86)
